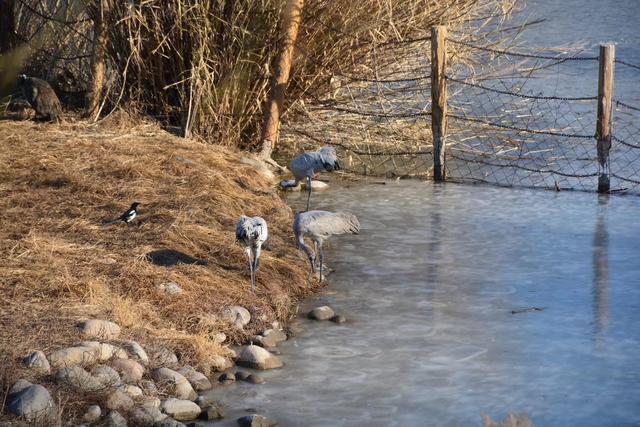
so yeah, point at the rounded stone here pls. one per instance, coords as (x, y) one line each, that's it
(321, 313)
(227, 376)
(38, 362)
(180, 409)
(99, 329)
(71, 356)
(255, 379)
(130, 370)
(176, 382)
(242, 375)
(119, 400)
(136, 351)
(338, 319)
(197, 379)
(92, 414)
(33, 403)
(237, 315)
(256, 357)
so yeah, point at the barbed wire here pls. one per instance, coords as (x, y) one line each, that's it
(628, 64)
(625, 178)
(519, 129)
(520, 95)
(523, 55)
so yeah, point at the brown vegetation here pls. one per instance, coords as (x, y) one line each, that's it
(61, 264)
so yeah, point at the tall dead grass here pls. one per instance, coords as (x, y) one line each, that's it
(60, 264)
(205, 65)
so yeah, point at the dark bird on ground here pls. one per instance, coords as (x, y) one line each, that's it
(319, 226)
(252, 232)
(41, 97)
(128, 216)
(308, 165)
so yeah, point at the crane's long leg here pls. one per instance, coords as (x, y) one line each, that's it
(256, 264)
(253, 275)
(309, 190)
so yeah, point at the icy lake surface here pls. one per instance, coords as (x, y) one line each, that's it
(430, 287)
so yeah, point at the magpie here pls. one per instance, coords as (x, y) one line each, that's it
(128, 216)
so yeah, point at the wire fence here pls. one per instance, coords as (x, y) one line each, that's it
(516, 117)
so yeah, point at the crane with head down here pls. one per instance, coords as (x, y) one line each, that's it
(319, 226)
(307, 165)
(251, 233)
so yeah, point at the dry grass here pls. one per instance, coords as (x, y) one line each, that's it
(60, 264)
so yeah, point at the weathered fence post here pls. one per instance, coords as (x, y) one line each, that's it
(98, 11)
(438, 99)
(605, 111)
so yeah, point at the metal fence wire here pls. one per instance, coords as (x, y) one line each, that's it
(515, 118)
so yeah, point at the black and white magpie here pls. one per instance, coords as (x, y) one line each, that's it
(128, 216)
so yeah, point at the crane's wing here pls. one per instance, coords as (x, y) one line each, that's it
(324, 223)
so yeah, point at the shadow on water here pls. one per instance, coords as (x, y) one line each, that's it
(601, 270)
(171, 257)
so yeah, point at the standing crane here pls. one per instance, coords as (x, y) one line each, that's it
(252, 232)
(319, 226)
(308, 165)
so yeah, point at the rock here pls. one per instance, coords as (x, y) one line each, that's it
(219, 338)
(321, 313)
(136, 351)
(265, 341)
(169, 422)
(149, 387)
(162, 356)
(181, 410)
(237, 315)
(255, 421)
(255, 379)
(92, 414)
(227, 377)
(38, 362)
(210, 413)
(32, 403)
(338, 319)
(149, 401)
(99, 329)
(203, 401)
(105, 351)
(260, 166)
(114, 419)
(218, 363)
(256, 357)
(78, 378)
(147, 416)
(242, 375)
(106, 375)
(275, 334)
(130, 370)
(316, 185)
(175, 382)
(20, 385)
(131, 390)
(197, 379)
(170, 288)
(119, 400)
(275, 351)
(290, 185)
(71, 356)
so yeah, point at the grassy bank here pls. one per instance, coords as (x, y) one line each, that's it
(61, 264)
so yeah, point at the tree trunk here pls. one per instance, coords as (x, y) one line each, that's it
(100, 39)
(290, 22)
(7, 25)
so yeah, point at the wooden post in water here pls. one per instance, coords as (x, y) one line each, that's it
(439, 99)
(605, 111)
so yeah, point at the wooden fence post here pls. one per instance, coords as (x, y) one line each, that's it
(605, 111)
(292, 15)
(98, 11)
(439, 99)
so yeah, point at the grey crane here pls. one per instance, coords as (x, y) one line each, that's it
(319, 226)
(41, 97)
(252, 232)
(307, 165)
